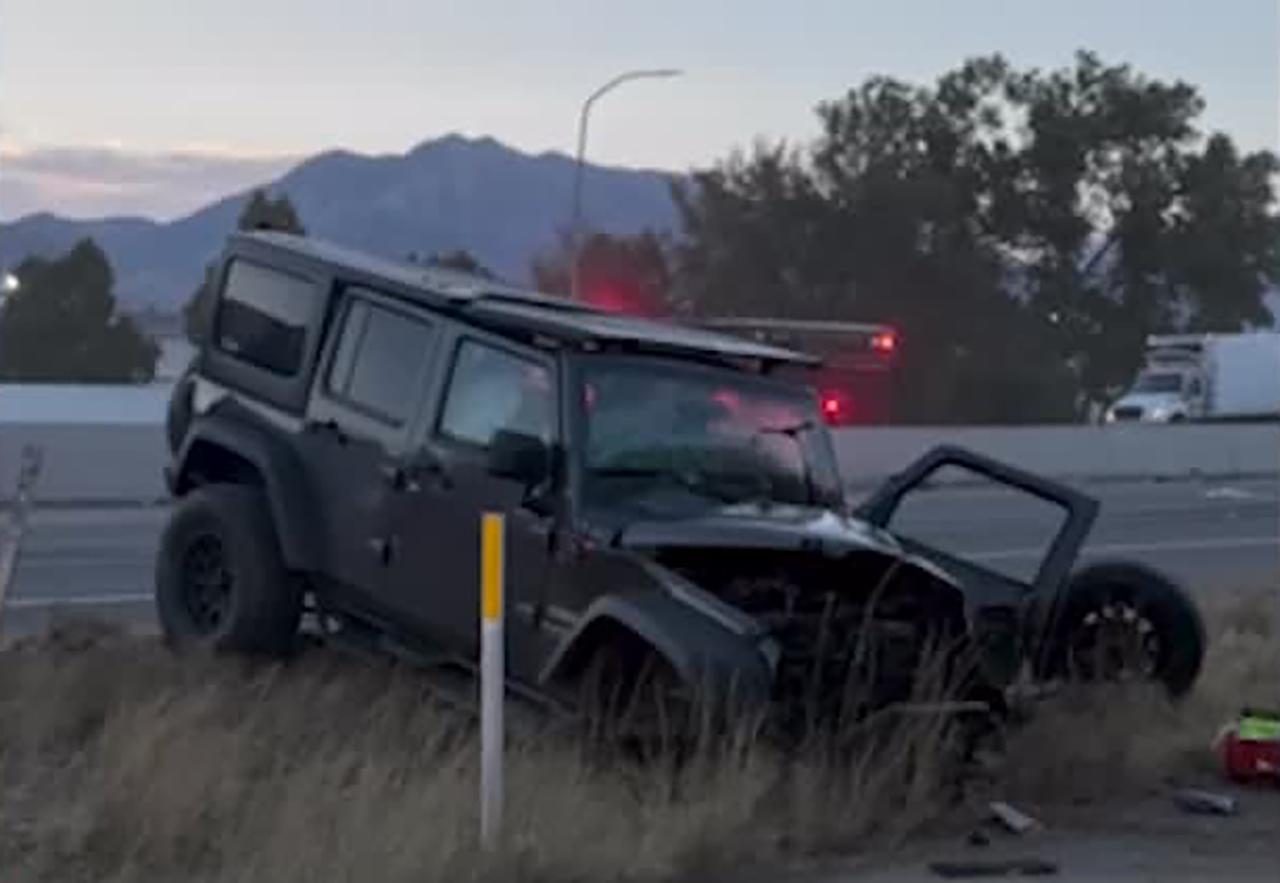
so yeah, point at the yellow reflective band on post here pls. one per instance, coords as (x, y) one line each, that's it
(491, 567)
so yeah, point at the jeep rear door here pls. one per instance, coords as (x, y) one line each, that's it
(367, 396)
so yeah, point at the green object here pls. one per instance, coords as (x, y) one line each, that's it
(1258, 728)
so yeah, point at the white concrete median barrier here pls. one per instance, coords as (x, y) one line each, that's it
(1077, 453)
(95, 458)
(93, 464)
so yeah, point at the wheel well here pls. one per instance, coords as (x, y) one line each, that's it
(209, 463)
(628, 648)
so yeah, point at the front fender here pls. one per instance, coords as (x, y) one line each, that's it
(702, 651)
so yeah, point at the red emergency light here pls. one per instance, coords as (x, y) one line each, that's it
(831, 408)
(884, 342)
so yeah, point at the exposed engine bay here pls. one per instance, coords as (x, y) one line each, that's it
(857, 633)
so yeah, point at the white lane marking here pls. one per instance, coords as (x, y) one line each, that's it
(77, 601)
(1136, 548)
(1229, 493)
(62, 562)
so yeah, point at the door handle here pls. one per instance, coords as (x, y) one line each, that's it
(326, 427)
(400, 478)
(407, 475)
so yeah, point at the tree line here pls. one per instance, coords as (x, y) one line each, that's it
(1024, 230)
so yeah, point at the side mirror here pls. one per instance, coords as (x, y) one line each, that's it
(520, 457)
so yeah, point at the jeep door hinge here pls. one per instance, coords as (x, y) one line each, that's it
(384, 548)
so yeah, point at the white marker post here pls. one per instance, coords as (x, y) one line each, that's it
(492, 675)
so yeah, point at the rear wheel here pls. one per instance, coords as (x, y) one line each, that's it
(220, 582)
(1128, 623)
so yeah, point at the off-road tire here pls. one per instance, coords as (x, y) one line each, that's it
(261, 606)
(1163, 603)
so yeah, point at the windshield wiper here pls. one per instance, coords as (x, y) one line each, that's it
(682, 480)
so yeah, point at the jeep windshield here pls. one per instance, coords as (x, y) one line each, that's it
(668, 437)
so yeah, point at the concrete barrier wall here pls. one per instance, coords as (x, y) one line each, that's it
(90, 463)
(106, 444)
(98, 404)
(1076, 453)
(99, 462)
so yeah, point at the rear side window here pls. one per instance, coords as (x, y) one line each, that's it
(378, 365)
(263, 317)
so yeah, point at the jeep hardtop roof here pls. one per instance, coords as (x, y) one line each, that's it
(509, 310)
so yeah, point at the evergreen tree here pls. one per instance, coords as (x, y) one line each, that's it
(63, 325)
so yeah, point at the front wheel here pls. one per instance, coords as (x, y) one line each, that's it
(1127, 623)
(637, 703)
(220, 582)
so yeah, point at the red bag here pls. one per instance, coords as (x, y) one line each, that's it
(1251, 748)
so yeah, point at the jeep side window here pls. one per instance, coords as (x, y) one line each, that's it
(263, 316)
(492, 390)
(378, 361)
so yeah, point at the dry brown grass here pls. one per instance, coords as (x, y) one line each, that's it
(118, 762)
(1126, 742)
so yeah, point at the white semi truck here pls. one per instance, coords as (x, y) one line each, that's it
(1204, 377)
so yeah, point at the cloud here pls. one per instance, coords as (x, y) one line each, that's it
(88, 182)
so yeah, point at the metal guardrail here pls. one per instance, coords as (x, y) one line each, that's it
(13, 529)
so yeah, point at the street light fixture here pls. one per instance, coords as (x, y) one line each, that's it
(583, 119)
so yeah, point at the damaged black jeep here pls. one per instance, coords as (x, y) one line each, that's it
(673, 506)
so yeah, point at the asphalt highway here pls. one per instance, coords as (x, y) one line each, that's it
(1214, 536)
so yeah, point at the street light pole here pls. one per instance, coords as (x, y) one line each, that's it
(583, 119)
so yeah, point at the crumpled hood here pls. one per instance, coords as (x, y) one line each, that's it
(784, 528)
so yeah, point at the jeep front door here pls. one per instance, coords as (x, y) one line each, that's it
(491, 387)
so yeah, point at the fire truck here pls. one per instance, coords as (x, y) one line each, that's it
(859, 361)
(857, 380)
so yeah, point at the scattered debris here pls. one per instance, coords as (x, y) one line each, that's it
(978, 837)
(1016, 822)
(1009, 868)
(1206, 802)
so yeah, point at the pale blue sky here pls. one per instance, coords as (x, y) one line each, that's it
(249, 78)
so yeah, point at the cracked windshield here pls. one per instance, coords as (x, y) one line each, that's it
(651, 433)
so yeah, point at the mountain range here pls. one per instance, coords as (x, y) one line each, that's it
(502, 205)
